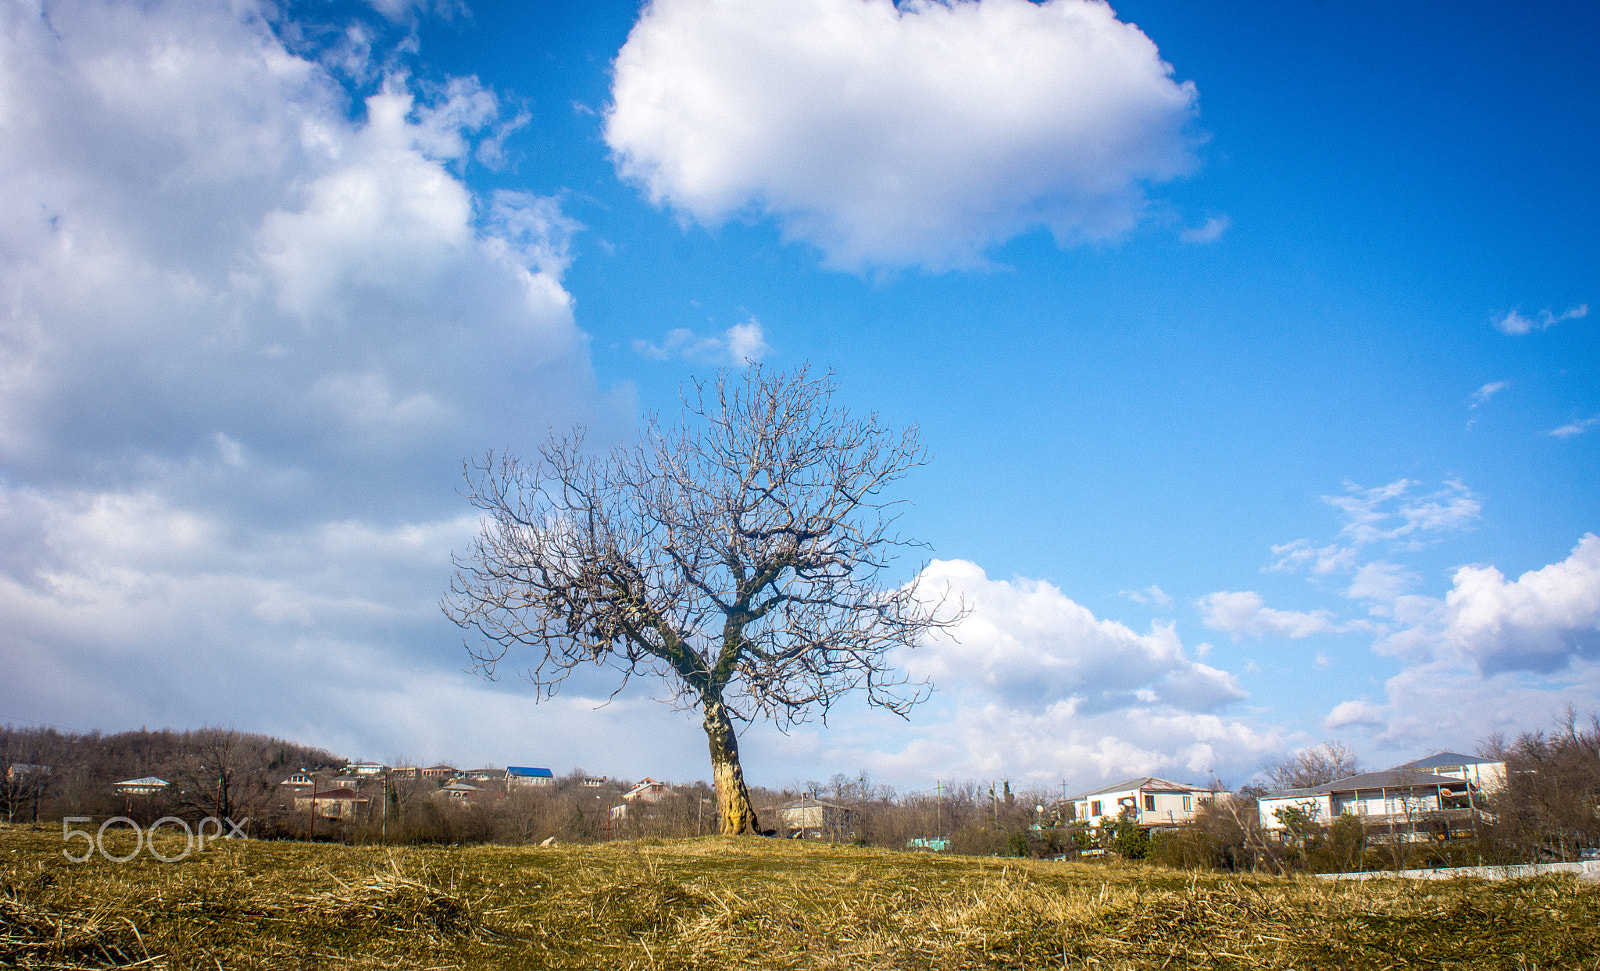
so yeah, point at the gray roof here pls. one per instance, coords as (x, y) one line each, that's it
(148, 781)
(1446, 758)
(1142, 782)
(1401, 778)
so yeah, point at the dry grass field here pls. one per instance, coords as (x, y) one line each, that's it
(722, 903)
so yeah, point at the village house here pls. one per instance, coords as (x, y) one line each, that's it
(146, 786)
(300, 780)
(812, 819)
(341, 803)
(19, 770)
(365, 769)
(1404, 803)
(437, 772)
(460, 793)
(526, 775)
(1487, 776)
(1151, 802)
(648, 790)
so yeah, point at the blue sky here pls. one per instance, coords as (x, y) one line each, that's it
(1252, 343)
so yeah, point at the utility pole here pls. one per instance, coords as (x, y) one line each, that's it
(938, 810)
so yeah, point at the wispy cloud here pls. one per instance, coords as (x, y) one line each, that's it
(738, 345)
(1393, 513)
(1149, 595)
(1515, 324)
(1210, 232)
(1483, 394)
(1574, 428)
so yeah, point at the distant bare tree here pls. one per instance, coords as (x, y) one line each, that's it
(736, 556)
(1314, 767)
(221, 775)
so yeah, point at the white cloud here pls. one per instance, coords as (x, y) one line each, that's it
(1448, 704)
(1574, 428)
(1539, 622)
(1244, 612)
(1515, 324)
(1209, 232)
(1491, 655)
(1034, 684)
(197, 239)
(738, 345)
(1322, 560)
(1381, 581)
(1354, 713)
(1483, 394)
(910, 135)
(1030, 646)
(250, 335)
(1152, 594)
(1393, 513)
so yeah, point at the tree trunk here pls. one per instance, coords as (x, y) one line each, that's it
(733, 799)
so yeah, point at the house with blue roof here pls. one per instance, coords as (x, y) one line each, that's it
(523, 775)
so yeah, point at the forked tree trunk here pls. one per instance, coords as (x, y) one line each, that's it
(733, 799)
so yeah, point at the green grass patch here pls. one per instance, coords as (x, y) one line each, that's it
(727, 902)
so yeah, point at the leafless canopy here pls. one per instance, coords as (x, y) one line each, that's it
(738, 555)
(1314, 767)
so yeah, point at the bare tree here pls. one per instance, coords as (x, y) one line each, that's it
(222, 774)
(1314, 767)
(737, 556)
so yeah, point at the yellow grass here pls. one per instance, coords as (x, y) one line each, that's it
(720, 903)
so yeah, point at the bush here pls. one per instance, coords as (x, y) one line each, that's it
(1129, 841)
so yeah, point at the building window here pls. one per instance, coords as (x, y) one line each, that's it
(1149, 804)
(1094, 808)
(1187, 804)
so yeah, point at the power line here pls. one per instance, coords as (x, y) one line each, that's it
(8, 719)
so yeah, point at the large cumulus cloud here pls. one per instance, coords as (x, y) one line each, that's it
(909, 135)
(1542, 621)
(252, 317)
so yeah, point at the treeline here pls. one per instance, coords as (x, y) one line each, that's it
(973, 818)
(218, 772)
(1548, 809)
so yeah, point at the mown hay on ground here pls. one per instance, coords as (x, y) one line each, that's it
(717, 903)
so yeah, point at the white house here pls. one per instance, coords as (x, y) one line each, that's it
(1483, 775)
(1150, 801)
(365, 768)
(1396, 798)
